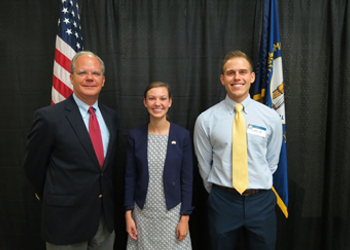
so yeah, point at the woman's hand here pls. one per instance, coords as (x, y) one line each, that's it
(182, 227)
(130, 225)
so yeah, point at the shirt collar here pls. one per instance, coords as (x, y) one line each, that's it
(230, 104)
(83, 107)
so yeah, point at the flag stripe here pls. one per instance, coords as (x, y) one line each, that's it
(56, 96)
(61, 88)
(64, 48)
(62, 74)
(62, 60)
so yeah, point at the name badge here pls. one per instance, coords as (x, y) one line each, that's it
(256, 130)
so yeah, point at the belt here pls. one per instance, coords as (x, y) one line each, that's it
(245, 193)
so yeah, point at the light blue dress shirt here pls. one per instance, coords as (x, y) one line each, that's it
(84, 111)
(213, 143)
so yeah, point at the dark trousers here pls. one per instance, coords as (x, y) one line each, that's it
(255, 214)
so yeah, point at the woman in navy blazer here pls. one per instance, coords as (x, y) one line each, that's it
(176, 175)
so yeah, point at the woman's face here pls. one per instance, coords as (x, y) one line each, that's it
(157, 102)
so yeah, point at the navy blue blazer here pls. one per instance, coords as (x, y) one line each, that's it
(178, 169)
(62, 166)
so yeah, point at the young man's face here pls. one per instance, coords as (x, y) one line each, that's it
(237, 78)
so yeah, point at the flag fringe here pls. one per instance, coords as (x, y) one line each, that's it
(280, 203)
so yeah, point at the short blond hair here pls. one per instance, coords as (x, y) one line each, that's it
(236, 54)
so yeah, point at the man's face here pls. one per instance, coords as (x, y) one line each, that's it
(237, 78)
(87, 78)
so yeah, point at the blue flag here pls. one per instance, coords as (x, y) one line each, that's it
(269, 89)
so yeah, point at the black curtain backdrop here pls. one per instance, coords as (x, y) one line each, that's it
(182, 42)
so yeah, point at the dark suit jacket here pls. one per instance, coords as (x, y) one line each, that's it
(178, 169)
(61, 164)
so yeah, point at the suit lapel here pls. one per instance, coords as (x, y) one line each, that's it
(171, 138)
(112, 132)
(143, 143)
(74, 117)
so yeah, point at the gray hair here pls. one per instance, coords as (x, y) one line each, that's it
(82, 53)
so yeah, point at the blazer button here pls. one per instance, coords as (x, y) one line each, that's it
(100, 196)
(37, 197)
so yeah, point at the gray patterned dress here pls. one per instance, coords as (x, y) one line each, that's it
(156, 226)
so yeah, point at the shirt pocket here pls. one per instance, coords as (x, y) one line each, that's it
(257, 140)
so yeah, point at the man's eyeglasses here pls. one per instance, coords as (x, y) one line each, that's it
(85, 73)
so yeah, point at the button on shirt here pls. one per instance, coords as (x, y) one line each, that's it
(83, 108)
(213, 143)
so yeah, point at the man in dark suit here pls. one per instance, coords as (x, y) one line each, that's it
(70, 171)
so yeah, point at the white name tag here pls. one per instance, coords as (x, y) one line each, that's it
(256, 130)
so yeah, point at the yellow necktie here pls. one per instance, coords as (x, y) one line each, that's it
(239, 151)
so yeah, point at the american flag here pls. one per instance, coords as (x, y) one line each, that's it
(69, 41)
